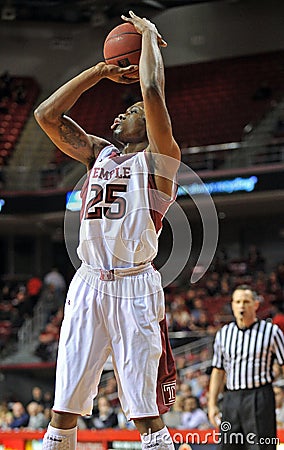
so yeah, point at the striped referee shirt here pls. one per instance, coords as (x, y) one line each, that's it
(247, 355)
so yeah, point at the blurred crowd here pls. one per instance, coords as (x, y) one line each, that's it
(18, 301)
(188, 412)
(196, 311)
(34, 415)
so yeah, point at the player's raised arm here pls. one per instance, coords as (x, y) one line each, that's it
(152, 80)
(61, 129)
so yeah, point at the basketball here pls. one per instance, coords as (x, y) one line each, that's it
(122, 46)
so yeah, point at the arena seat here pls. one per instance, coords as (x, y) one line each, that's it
(212, 102)
(14, 113)
(209, 103)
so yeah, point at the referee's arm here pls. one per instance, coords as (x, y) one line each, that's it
(216, 386)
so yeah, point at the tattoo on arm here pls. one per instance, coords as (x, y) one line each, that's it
(70, 135)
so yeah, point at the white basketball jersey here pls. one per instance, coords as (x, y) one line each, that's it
(122, 211)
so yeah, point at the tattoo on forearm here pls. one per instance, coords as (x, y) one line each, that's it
(70, 135)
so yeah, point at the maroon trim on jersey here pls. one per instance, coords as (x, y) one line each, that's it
(155, 205)
(83, 193)
(166, 382)
(121, 158)
(158, 204)
(109, 151)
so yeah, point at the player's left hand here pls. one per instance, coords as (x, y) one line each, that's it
(144, 24)
(124, 75)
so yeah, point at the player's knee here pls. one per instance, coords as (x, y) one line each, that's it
(63, 420)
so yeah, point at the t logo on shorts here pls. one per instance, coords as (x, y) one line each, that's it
(169, 392)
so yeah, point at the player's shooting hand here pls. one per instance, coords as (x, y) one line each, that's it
(124, 75)
(144, 24)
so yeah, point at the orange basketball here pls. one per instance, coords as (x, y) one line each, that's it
(122, 46)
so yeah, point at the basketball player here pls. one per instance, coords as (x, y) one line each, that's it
(115, 302)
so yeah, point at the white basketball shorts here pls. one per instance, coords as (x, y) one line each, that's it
(117, 316)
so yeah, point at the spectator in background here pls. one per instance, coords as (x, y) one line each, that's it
(193, 416)
(280, 274)
(278, 315)
(278, 374)
(220, 262)
(47, 400)
(15, 309)
(52, 302)
(190, 295)
(56, 283)
(6, 416)
(178, 405)
(273, 286)
(225, 287)
(34, 285)
(202, 389)
(279, 405)
(37, 395)
(47, 414)
(182, 320)
(203, 322)
(48, 341)
(5, 85)
(20, 416)
(5, 294)
(37, 420)
(22, 305)
(197, 309)
(110, 391)
(184, 391)
(172, 418)
(56, 279)
(105, 417)
(255, 260)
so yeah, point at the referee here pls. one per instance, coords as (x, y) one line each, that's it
(244, 353)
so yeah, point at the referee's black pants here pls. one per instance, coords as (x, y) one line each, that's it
(248, 419)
